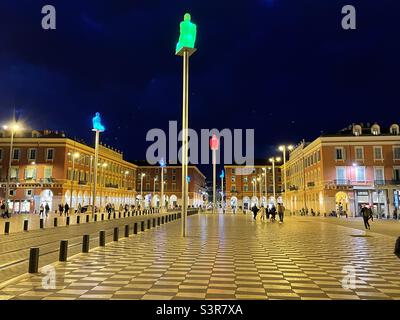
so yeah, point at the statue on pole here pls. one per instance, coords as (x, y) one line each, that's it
(188, 33)
(97, 125)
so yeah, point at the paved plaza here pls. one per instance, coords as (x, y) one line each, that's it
(230, 257)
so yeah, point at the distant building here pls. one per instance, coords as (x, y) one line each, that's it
(172, 185)
(249, 185)
(42, 172)
(339, 172)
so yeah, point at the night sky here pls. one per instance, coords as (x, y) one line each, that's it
(283, 67)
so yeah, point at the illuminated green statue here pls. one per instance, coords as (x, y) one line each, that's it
(188, 34)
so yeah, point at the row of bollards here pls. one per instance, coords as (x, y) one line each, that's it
(63, 252)
(78, 219)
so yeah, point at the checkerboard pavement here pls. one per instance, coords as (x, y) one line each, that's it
(227, 257)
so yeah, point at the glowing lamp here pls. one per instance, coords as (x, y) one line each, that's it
(214, 143)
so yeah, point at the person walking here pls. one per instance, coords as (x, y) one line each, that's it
(41, 210)
(281, 212)
(79, 208)
(262, 217)
(272, 212)
(61, 209)
(47, 209)
(366, 214)
(66, 209)
(3, 209)
(255, 211)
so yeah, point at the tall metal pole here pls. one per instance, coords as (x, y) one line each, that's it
(265, 187)
(222, 193)
(273, 180)
(101, 185)
(96, 161)
(72, 179)
(141, 191)
(185, 119)
(284, 174)
(9, 170)
(162, 188)
(90, 179)
(214, 180)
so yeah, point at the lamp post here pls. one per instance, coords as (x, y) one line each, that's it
(103, 165)
(284, 148)
(222, 176)
(74, 156)
(185, 48)
(214, 145)
(97, 128)
(162, 165)
(273, 160)
(154, 187)
(14, 127)
(126, 173)
(142, 175)
(259, 179)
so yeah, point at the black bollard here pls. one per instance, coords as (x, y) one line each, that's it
(154, 222)
(68, 221)
(102, 217)
(95, 217)
(119, 215)
(114, 216)
(26, 225)
(127, 231)
(158, 221)
(142, 226)
(124, 214)
(87, 218)
(135, 228)
(41, 223)
(102, 238)
(397, 248)
(86, 243)
(7, 227)
(162, 220)
(116, 234)
(78, 219)
(33, 260)
(148, 224)
(63, 251)
(55, 222)
(109, 216)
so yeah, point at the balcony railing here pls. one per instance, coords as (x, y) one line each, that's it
(111, 185)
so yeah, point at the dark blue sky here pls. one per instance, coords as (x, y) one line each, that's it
(283, 67)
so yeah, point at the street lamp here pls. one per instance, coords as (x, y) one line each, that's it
(14, 128)
(126, 173)
(284, 149)
(214, 145)
(273, 160)
(142, 175)
(74, 156)
(185, 48)
(162, 165)
(97, 128)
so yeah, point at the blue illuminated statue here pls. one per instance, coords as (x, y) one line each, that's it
(97, 126)
(222, 174)
(188, 179)
(162, 163)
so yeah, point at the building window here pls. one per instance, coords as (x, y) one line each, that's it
(396, 174)
(11, 193)
(32, 154)
(339, 153)
(147, 186)
(233, 188)
(360, 174)
(375, 130)
(29, 193)
(16, 154)
(233, 179)
(378, 154)
(233, 171)
(341, 177)
(30, 173)
(394, 129)
(174, 187)
(396, 153)
(173, 178)
(50, 154)
(173, 171)
(379, 174)
(14, 173)
(359, 151)
(245, 179)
